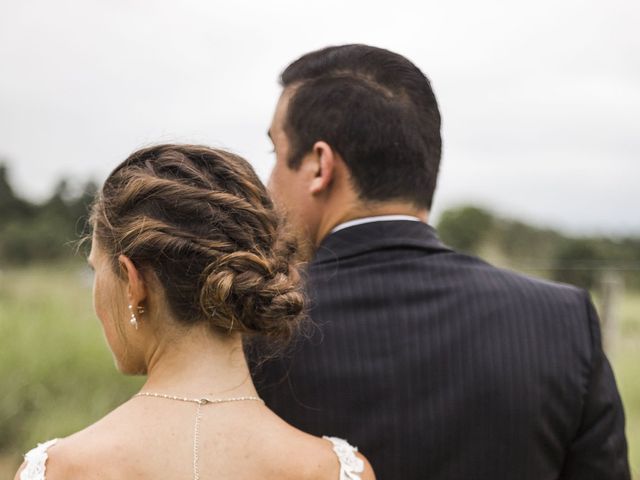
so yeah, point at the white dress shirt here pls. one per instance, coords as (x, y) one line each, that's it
(378, 218)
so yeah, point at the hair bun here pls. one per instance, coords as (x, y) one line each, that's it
(254, 293)
(201, 220)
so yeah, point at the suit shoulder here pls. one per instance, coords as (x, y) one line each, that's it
(479, 274)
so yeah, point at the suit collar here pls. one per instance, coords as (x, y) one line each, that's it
(366, 237)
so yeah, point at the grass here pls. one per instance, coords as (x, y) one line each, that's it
(625, 359)
(57, 374)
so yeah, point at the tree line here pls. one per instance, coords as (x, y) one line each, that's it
(33, 232)
(579, 260)
(40, 232)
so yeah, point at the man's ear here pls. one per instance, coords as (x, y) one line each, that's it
(136, 286)
(325, 163)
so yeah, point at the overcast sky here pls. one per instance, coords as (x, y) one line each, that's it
(540, 100)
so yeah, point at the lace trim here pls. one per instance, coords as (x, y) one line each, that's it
(350, 464)
(36, 461)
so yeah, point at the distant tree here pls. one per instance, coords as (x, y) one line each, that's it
(465, 228)
(11, 206)
(58, 203)
(6, 192)
(579, 261)
(79, 211)
(78, 207)
(42, 232)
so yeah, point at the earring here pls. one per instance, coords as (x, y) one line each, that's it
(133, 320)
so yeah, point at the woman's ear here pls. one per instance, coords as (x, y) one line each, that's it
(136, 285)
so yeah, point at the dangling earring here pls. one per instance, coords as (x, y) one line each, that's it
(133, 320)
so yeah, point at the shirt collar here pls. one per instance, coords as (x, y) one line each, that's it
(377, 218)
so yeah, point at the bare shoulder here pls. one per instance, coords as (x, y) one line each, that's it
(59, 464)
(81, 456)
(312, 458)
(304, 456)
(84, 454)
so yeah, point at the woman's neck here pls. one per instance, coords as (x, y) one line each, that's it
(199, 363)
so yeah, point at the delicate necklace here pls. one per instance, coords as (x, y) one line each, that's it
(196, 430)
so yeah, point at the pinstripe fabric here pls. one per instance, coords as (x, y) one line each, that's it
(440, 366)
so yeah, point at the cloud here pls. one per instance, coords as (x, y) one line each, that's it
(540, 101)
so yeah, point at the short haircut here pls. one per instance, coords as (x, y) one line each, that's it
(377, 110)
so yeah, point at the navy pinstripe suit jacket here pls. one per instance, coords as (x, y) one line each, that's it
(440, 366)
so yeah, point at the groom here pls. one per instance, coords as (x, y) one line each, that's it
(436, 364)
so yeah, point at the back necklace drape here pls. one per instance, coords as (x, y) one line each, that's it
(196, 429)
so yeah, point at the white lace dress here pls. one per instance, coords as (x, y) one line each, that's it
(350, 465)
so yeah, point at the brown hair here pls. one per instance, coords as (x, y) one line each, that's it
(201, 220)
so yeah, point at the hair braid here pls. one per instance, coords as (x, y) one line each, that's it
(202, 222)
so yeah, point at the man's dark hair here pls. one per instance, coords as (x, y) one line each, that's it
(377, 110)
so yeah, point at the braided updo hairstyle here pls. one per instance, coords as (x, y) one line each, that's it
(201, 220)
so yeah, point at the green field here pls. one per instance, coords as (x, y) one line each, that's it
(57, 375)
(626, 364)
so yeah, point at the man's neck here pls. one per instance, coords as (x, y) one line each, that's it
(368, 210)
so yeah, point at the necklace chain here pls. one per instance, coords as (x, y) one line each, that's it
(196, 429)
(196, 443)
(201, 401)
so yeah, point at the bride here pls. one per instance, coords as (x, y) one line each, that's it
(189, 258)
